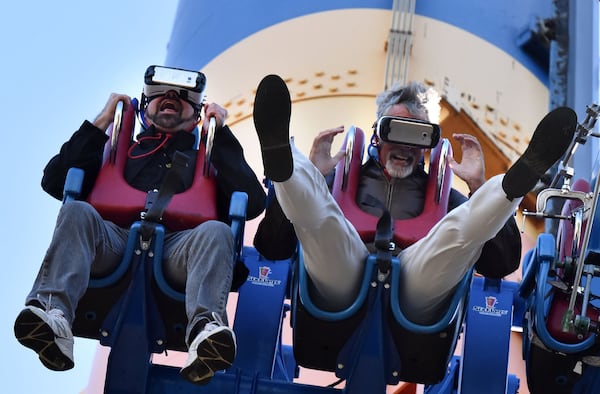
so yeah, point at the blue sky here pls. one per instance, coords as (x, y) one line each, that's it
(60, 62)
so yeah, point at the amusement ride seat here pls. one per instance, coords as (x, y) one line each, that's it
(126, 206)
(551, 350)
(330, 340)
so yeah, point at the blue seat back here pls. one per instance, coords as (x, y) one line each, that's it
(423, 351)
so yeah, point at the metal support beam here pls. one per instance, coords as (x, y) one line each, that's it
(399, 42)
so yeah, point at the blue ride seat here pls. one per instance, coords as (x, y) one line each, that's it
(136, 311)
(372, 342)
(122, 204)
(552, 351)
(423, 351)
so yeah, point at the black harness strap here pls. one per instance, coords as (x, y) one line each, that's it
(383, 242)
(157, 202)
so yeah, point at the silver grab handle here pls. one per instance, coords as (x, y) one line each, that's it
(441, 175)
(210, 137)
(349, 152)
(114, 138)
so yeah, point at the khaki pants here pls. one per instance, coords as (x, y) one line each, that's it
(334, 254)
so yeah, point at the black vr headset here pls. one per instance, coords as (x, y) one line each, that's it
(189, 85)
(407, 131)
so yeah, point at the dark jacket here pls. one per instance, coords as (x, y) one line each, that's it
(404, 199)
(375, 189)
(145, 172)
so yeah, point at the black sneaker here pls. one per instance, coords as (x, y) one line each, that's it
(549, 142)
(272, 110)
(213, 349)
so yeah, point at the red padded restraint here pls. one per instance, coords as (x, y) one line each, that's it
(120, 203)
(407, 231)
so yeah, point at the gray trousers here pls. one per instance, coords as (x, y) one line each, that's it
(83, 245)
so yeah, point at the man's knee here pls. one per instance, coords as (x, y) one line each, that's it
(78, 211)
(214, 232)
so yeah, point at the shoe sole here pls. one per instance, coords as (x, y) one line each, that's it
(271, 114)
(549, 142)
(32, 332)
(215, 353)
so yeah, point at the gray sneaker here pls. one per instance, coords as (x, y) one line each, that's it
(49, 334)
(212, 350)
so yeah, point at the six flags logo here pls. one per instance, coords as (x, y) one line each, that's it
(263, 278)
(490, 308)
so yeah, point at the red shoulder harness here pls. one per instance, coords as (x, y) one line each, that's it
(122, 204)
(406, 231)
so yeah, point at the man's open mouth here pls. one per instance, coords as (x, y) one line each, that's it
(169, 106)
(400, 157)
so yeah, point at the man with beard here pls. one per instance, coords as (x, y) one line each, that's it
(83, 244)
(479, 230)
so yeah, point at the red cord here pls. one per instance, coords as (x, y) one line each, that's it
(158, 136)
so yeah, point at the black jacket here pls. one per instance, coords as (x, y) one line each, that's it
(145, 172)
(500, 256)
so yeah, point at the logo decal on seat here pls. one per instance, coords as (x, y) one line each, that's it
(490, 308)
(263, 278)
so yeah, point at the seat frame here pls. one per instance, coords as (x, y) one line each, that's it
(354, 343)
(137, 313)
(550, 351)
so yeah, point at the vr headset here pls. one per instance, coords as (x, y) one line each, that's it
(406, 131)
(189, 85)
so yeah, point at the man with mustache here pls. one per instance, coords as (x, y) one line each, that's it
(479, 230)
(199, 259)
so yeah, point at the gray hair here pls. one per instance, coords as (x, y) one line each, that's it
(420, 100)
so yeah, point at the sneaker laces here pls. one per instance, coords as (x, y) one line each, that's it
(46, 304)
(62, 328)
(215, 323)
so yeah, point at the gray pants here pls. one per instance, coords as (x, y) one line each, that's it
(334, 254)
(83, 245)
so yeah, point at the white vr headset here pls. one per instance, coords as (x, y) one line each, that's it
(189, 85)
(407, 131)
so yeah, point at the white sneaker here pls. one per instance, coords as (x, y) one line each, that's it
(49, 334)
(212, 350)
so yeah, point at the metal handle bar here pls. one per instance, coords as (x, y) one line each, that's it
(114, 137)
(349, 153)
(210, 137)
(441, 175)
